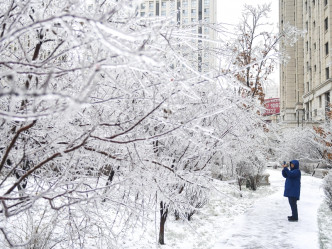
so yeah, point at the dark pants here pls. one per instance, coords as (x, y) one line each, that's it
(293, 205)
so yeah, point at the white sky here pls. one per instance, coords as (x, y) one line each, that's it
(229, 12)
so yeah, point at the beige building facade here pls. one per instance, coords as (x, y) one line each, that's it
(196, 14)
(305, 81)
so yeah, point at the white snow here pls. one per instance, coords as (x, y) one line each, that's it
(265, 224)
(256, 220)
(325, 226)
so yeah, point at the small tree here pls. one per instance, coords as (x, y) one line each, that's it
(255, 50)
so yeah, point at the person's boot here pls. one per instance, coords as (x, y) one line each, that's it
(289, 217)
(292, 219)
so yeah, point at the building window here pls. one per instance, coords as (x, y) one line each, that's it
(151, 4)
(306, 6)
(326, 48)
(313, 2)
(142, 13)
(163, 12)
(184, 12)
(308, 89)
(193, 3)
(327, 73)
(206, 2)
(325, 2)
(206, 10)
(143, 6)
(315, 46)
(307, 111)
(315, 68)
(326, 23)
(308, 66)
(163, 4)
(193, 11)
(320, 101)
(307, 46)
(314, 24)
(306, 26)
(327, 104)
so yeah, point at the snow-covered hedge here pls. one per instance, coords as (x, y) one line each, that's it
(328, 189)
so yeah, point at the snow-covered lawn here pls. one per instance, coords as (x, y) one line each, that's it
(255, 220)
(325, 226)
(231, 219)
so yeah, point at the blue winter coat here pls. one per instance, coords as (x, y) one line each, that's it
(293, 180)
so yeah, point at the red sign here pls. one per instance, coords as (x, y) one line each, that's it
(272, 106)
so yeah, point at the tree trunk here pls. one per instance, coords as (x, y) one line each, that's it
(239, 181)
(109, 180)
(253, 183)
(163, 217)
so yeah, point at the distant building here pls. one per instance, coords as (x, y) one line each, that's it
(199, 14)
(272, 110)
(306, 79)
(272, 106)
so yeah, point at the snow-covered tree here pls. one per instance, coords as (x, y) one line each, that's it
(104, 122)
(297, 143)
(247, 148)
(255, 50)
(84, 91)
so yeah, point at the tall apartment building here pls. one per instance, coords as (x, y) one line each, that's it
(198, 13)
(306, 79)
(291, 74)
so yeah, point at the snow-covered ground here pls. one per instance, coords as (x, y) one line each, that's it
(255, 220)
(325, 226)
(231, 219)
(265, 224)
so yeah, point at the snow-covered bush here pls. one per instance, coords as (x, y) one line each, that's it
(310, 145)
(37, 228)
(249, 173)
(246, 151)
(328, 189)
(298, 143)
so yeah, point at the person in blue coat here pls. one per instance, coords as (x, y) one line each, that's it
(292, 186)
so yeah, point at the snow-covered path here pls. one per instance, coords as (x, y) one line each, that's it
(265, 225)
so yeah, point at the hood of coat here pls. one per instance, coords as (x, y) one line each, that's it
(296, 164)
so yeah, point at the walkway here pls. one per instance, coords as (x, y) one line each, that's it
(266, 226)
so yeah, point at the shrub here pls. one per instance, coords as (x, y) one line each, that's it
(328, 189)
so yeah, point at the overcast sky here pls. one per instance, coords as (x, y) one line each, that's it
(229, 11)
